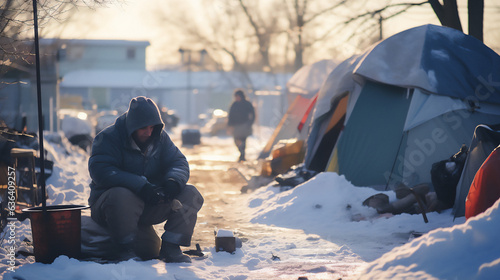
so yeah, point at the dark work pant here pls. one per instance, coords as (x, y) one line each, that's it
(241, 145)
(122, 212)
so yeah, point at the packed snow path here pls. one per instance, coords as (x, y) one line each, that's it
(268, 252)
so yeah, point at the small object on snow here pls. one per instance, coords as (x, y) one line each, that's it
(302, 278)
(285, 188)
(380, 202)
(275, 258)
(196, 252)
(191, 136)
(28, 242)
(415, 234)
(24, 253)
(295, 177)
(313, 237)
(225, 241)
(318, 206)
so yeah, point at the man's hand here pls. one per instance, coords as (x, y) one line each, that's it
(171, 188)
(151, 194)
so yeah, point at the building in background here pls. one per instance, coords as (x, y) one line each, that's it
(58, 57)
(97, 76)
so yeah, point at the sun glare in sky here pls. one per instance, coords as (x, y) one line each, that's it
(141, 20)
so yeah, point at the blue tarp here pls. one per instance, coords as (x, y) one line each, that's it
(438, 59)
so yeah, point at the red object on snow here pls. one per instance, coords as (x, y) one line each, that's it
(485, 188)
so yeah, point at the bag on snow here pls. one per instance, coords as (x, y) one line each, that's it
(445, 175)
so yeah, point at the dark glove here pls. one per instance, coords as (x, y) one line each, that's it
(151, 194)
(171, 188)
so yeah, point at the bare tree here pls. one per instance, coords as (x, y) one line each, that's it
(220, 31)
(446, 12)
(263, 35)
(369, 22)
(16, 27)
(476, 18)
(264, 29)
(300, 16)
(13, 23)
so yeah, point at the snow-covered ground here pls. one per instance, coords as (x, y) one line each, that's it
(311, 230)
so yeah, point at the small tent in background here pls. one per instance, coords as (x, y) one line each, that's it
(309, 78)
(485, 140)
(329, 115)
(303, 87)
(412, 100)
(292, 125)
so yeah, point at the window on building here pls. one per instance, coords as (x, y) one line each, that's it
(61, 54)
(131, 53)
(100, 97)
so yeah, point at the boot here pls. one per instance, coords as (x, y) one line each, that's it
(125, 252)
(171, 253)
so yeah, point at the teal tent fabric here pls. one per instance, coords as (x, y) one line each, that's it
(367, 146)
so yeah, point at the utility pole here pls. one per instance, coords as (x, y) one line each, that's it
(186, 59)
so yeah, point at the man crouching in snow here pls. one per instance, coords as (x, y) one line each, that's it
(139, 179)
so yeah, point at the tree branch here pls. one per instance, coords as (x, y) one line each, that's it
(438, 10)
(378, 11)
(323, 11)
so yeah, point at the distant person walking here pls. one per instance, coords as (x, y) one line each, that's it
(240, 120)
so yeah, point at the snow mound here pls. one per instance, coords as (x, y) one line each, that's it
(331, 207)
(326, 198)
(69, 182)
(466, 251)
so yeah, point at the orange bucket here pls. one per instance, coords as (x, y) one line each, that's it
(56, 231)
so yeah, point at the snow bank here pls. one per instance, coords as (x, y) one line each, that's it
(323, 201)
(69, 182)
(330, 206)
(451, 249)
(466, 251)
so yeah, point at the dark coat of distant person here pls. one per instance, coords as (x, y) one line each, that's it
(241, 117)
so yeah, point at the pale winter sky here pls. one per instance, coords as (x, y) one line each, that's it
(138, 20)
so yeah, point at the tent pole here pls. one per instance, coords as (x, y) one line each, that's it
(39, 98)
(395, 160)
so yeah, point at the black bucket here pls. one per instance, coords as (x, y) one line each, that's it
(56, 231)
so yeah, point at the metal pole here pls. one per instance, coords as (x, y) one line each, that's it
(189, 91)
(39, 98)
